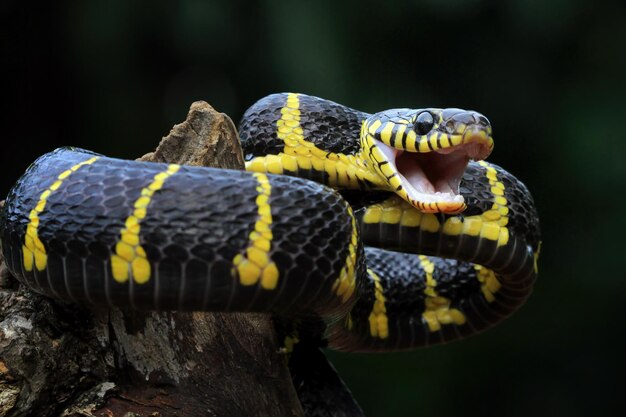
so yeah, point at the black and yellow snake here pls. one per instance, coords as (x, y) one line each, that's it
(457, 240)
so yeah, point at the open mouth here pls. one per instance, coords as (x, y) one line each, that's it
(432, 179)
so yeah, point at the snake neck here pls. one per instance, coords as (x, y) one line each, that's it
(418, 154)
(340, 171)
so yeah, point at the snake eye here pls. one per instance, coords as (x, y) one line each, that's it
(423, 123)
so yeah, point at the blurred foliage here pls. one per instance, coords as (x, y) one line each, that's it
(115, 76)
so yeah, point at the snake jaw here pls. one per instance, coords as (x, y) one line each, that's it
(431, 180)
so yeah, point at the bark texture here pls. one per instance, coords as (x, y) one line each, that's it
(59, 359)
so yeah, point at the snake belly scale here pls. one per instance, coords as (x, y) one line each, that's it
(432, 246)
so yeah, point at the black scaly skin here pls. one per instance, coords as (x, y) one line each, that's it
(202, 218)
(194, 228)
(196, 225)
(330, 126)
(402, 275)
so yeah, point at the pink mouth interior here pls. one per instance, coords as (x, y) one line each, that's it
(435, 176)
(433, 172)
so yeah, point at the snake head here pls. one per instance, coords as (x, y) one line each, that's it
(421, 155)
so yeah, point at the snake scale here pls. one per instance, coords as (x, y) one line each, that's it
(435, 245)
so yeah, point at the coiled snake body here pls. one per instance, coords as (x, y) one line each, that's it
(465, 236)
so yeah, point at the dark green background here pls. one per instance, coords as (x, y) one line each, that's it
(551, 76)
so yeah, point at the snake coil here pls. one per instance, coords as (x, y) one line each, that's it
(451, 245)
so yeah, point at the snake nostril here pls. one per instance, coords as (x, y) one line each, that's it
(482, 120)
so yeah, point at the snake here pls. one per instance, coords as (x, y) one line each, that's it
(390, 231)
